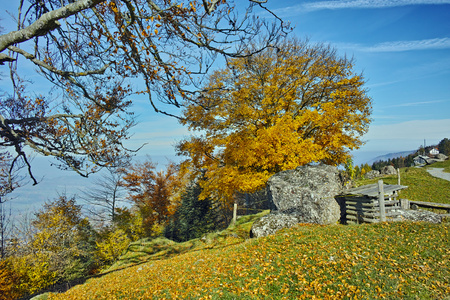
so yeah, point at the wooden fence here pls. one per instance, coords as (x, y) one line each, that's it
(408, 204)
(379, 203)
(371, 203)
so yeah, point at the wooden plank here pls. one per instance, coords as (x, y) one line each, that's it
(359, 209)
(363, 213)
(362, 199)
(368, 220)
(359, 205)
(391, 208)
(364, 208)
(430, 204)
(371, 190)
(391, 202)
(371, 214)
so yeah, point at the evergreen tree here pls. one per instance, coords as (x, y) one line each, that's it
(193, 217)
(444, 146)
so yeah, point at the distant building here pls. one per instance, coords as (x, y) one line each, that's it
(434, 151)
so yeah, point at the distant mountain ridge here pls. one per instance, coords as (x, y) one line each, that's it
(388, 156)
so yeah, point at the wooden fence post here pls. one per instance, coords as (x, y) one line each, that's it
(404, 203)
(381, 201)
(234, 214)
(398, 172)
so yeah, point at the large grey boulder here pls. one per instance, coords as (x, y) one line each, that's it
(418, 216)
(271, 223)
(372, 174)
(303, 195)
(389, 170)
(441, 156)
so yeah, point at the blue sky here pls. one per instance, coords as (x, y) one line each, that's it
(403, 49)
(401, 46)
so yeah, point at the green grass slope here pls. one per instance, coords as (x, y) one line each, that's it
(162, 248)
(388, 260)
(421, 185)
(401, 260)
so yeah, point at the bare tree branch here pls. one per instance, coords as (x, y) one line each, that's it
(47, 22)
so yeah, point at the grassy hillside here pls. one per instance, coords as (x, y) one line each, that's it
(392, 261)
(401, 260)
(421, 185)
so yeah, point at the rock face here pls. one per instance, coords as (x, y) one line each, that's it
(418, 215)
(441, 156)
(388, 170)
(303, 195)
(372, 174)
(273, 222)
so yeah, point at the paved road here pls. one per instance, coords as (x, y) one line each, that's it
(439, 172)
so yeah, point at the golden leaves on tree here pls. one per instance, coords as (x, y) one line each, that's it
(274, 111)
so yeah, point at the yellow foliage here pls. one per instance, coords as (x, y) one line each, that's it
(271, 112)
(34, 272)
(112, 245)
(9, 282)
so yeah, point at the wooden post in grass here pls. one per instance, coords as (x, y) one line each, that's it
(404, 203)
(398, 172)
(381, 201)
(234, 214)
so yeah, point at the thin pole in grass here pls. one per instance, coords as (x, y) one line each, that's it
(398, 172)
(234, 214)
(381, 201)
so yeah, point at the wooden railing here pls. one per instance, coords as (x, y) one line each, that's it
(368, 210)
(366, 207)
(371, 204)
(408, 204)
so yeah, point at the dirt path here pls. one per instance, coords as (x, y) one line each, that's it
(439, 173)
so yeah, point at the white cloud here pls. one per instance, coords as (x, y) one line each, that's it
(399, 46)
(418, 103)
(353, 4)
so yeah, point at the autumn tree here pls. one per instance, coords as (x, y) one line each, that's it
(274, 111)
(91, 51)
(153, 193)
(9, 281)
(59, 248)
(104, 196)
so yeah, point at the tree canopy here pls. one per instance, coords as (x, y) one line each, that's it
(89, 50)
(444, 146)
(153, 193)
(273, 111)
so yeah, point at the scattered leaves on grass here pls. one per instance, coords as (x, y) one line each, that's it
(388, 260)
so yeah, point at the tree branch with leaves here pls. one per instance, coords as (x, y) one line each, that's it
(92, 50)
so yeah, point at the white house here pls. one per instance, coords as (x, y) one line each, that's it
(434, 151)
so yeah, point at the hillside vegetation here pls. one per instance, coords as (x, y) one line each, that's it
(421, 185)
(401, 260)
(390, 260)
